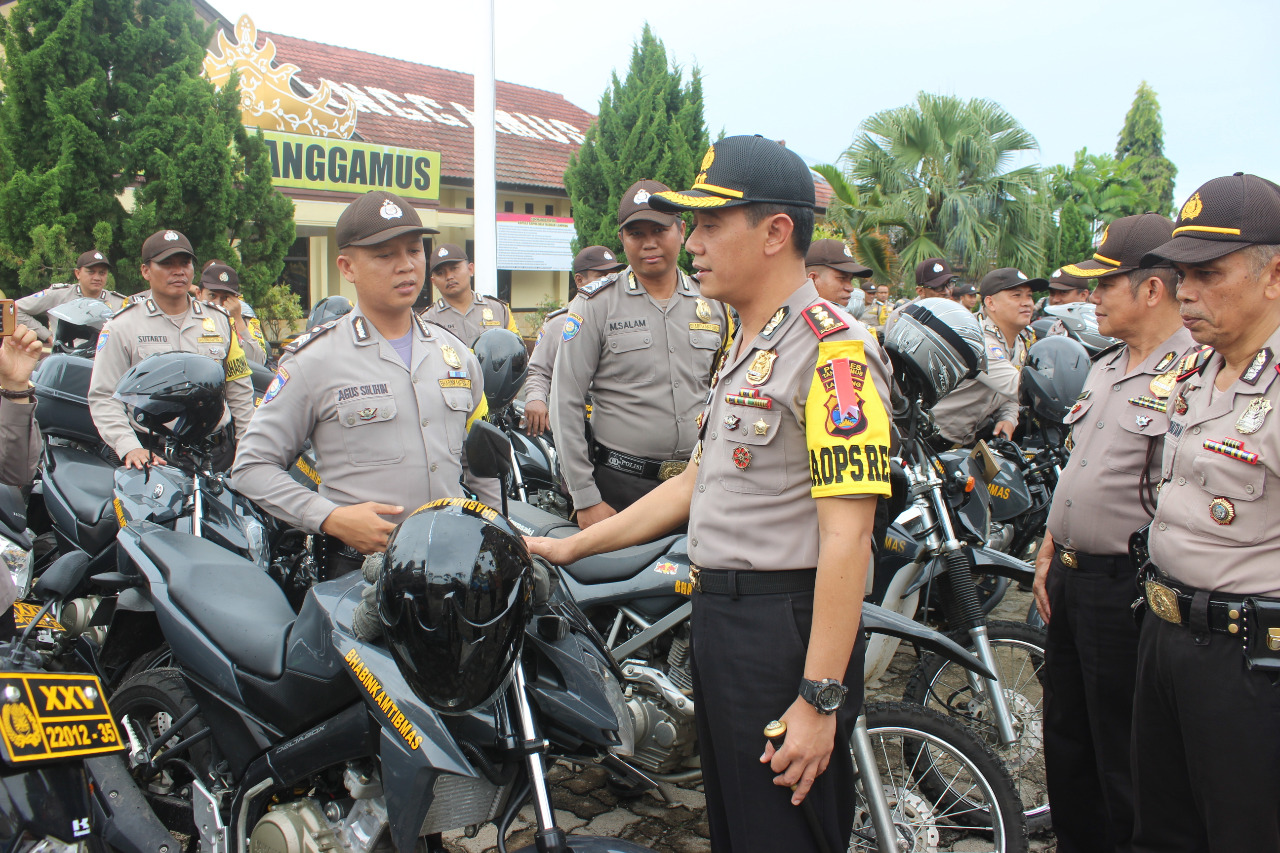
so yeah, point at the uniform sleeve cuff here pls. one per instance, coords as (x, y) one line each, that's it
(585, 497)
(535, 397)
(127, 446)
(316, 512)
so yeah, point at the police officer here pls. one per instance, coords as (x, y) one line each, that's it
(592, 263)
(460, 309)
(19, 435)
(934, 279)
(91, 280)
(796, 426)
(220, 285)
(966, 293)
(167, 319)
(385, 397)
(1206, 740)
(1066, 288)
(1006, 313)
(1084, 583)
(831, 267)
(643, 343)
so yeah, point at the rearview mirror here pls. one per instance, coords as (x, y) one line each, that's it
(488, 451)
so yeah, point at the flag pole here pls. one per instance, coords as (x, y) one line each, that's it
(485, 153)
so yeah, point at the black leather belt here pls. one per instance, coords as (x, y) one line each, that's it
(637, 466)
(735, 583)
(1108, 564)
(1175, 603)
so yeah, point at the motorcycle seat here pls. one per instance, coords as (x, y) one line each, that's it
(617, 565)
(238, 606)
(83, 484)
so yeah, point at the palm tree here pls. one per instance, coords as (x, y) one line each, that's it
(1103, 188)
(940, 177)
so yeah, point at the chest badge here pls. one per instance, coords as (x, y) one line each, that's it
(761, 367)
(742, 457)
(486, 317)
(209, 325)
(1222, 511)
(450, 356)
(367, 414)
(732, 421)
(1180, 405)
(1253, 416)
(703, 310)
(761, 427)
(1162, 386)
(1143, 421)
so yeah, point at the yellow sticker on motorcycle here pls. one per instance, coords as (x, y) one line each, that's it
(846, 425)
(45, 716)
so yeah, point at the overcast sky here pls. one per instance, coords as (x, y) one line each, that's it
(1067, 70)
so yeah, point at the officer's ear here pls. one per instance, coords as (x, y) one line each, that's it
(471, 269)
(345, 266)
(777, 236)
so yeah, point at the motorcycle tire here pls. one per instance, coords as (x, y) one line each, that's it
(152, 700)
(943, 785)
(944, 686)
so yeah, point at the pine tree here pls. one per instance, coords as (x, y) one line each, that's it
(1143, 138)
(650, 127)
(1073, 240)
(104, 95)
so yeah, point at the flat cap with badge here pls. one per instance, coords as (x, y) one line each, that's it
(743, 170)
(1007, 278)
(934, 273)
(220, 277)
(447, 253)
(165, 244)
(835, 254)
(634, 205)
(1060, 279)
(597, 258)
(1124, 247)
(1222, 216)
(92, 259)
(376, 217)
(964, 288)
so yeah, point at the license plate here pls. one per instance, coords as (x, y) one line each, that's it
(24, 612)
(46, 716)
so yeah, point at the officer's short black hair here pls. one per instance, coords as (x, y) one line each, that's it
(1168, 277)
(801, 219)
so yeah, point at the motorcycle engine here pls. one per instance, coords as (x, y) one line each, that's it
(662, 707)
(305, 826)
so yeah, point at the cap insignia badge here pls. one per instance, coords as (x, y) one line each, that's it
(390, 210)
(847, 252)
(450, 356)
(441, 252)
(171, 236)
(732, 421)
(641, 197)
(97, 256)
(1105, 232)
(708, 159)
(607, 256)
(761, 427)
(1021, 275)
(1222, 511)
(1056, 274)
(741, 457)
(1192, 208)
(937, 267)
(703, 311)
(761, 367)
(1255, 413)
(223, 277)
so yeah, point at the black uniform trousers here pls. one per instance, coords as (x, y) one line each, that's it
(1206, 745)
(748, 660)
(619, 489)
(1090, 664)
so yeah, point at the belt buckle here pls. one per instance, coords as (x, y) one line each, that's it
(1068, 558)
(695, 578)
(1163, 602)
(671, 468)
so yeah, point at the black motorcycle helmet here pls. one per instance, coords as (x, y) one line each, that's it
(175, 395)
(454, 594)
(504, 364)
(329, 308)
(1053, 376)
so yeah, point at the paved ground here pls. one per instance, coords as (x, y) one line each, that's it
(585, 806)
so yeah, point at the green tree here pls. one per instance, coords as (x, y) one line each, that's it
(937, 178)
(1142, 138)
(649, 127)
(852, 220)
(1072, 239)
(103, 95)
(1102, 188)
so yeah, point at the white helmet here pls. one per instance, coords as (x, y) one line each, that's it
(935, 345)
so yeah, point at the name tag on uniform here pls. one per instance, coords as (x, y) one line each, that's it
(705, 327)
(211, 339)
(455, 383)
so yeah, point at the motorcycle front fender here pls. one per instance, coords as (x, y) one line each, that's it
(881, 621)
(990, 562)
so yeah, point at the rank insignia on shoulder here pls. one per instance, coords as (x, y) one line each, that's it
(823, 320)
(774, 322)
(362, 329)
(1165, 360)
(1195, 362)
(591, 289)
(306, 338)
(423, 325)
(572, 324)
(1259, 364)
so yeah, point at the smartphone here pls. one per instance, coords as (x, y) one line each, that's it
(8, 318)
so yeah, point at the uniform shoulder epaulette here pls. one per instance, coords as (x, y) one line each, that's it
(556, 313)
(1194, 363)
(1106, 351)
(590, 290)
(309, 336)
(128, 305)
(824, 319)
(215, 306)
(62, 286)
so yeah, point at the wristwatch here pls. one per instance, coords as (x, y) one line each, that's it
(827, 695)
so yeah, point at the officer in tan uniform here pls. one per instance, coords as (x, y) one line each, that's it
(167, 320)
(460, 309)
(961, 415)
(934, 280)
(385, 397)
(19, 435)
(91, 280)
(780, 503)
(220, 285)
(1084, 583)
(1207, 708)
(642, 343)
(592, 263)
(831, 267)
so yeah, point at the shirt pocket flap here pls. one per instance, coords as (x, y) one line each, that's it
(1157, 423)
(703, 339)
(1222, 476)
(630, 341)
(756, 427)
(367, 411)
(459, 399)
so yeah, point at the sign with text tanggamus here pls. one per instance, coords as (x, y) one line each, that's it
(341, 165)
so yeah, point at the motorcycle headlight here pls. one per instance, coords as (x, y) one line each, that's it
(19, 562)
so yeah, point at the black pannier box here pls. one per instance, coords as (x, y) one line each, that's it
(62, 393)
